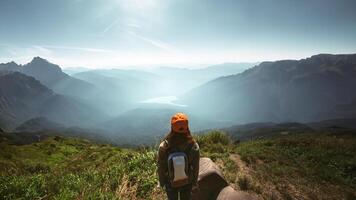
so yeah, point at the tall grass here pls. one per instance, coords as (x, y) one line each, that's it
(303, 162)
(316, 166)
(75, 169)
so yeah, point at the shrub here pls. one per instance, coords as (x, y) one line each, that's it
(213, 137)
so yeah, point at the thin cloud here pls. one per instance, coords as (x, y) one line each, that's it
(134, 25)
(155, 43)
(23, 54)
(111, 25)
(96, 50)
(42, 49)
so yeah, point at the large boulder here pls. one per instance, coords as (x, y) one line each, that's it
(213, 186)
(210, 181)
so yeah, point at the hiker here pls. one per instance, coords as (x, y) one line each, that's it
(178, 160)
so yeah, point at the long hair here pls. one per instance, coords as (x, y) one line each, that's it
(176, 139)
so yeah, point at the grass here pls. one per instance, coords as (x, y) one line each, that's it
(214, 144)
(321, 166)
(67, 168)
(244, 183)
(218, 146)
(294, 166)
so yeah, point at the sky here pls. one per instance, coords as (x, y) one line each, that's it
(116, 33)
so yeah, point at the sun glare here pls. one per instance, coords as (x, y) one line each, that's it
(139, 6)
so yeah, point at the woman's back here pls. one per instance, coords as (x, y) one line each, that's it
(178, 159)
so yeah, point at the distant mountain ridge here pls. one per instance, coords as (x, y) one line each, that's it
(133, 86)
(317, 88)
(148, 124)
(50, 75)
(186, 79)
(38, 124)
(23, 97)
(304, 90)
(118, 89)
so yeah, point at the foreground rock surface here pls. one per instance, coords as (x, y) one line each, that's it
(228, 193)
(212, 184)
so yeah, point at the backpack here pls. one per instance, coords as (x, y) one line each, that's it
(179, 166)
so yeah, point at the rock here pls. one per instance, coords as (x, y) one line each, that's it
(210, 181)
(212, 184)
(228, 193)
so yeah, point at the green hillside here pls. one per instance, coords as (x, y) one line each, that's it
(67, 168)
(301, 166)
(294, 166)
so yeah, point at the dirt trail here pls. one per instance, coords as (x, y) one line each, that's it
(243, 177)
(243, 173)
(243, 169)
(252, 185)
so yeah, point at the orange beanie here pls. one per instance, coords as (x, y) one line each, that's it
(179, 123)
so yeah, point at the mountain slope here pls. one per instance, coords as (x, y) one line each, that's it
(38, 124)
(206, 73)
(184, 79)
(51, 76)
(289, 90)
(146, 124)
(117, 90)
(23, 97)
(20, 97)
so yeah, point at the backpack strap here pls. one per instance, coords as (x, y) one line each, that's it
(165, 142)
(189, 147)
(187, 151)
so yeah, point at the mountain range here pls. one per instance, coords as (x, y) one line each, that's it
(122, 89)
(39, 95)
(51, 76)
(316, 88)
(23, 97)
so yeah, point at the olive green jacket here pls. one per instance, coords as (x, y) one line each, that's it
(162, 162)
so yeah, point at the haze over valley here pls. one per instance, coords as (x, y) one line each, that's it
(119, 68)
(122, 104)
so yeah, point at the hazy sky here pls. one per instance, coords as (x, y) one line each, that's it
(102, 33)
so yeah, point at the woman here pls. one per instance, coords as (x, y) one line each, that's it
(178, 160)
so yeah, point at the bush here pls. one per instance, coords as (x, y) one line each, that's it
(213, 137)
